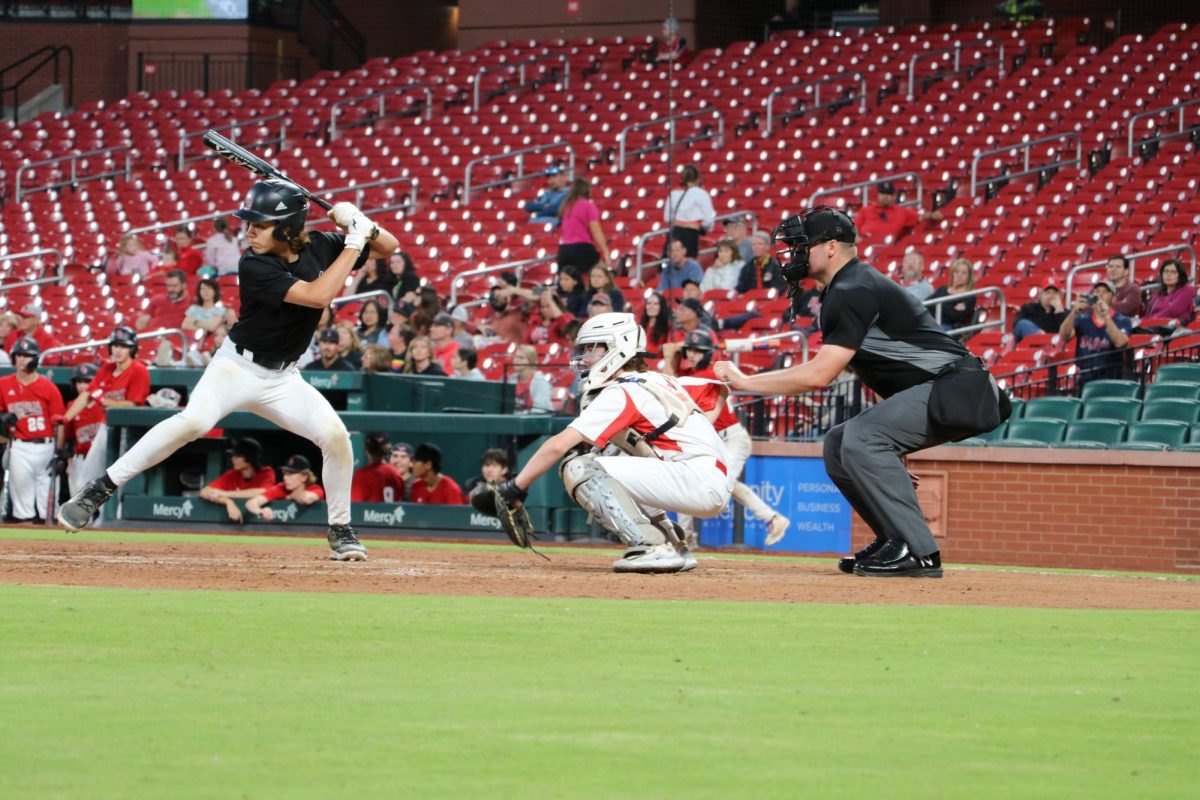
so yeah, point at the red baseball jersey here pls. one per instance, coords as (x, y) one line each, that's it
(82, 430)
(36, 406)
(377, 483)
(445, 493)
(279, 491)
(233, 481)
(705, 389)
(133, 384)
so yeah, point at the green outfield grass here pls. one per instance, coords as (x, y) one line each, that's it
(123, 693)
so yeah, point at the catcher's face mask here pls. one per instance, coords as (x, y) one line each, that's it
(584, 357)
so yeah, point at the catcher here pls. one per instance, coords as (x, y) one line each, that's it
(639, 448)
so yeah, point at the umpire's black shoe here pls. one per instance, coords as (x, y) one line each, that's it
(895, 560)
(846, 563)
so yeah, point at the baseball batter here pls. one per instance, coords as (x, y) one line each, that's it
(30, 406)
(286, 278)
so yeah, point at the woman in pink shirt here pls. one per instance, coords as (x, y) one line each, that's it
(581, 243)
(1175, 297)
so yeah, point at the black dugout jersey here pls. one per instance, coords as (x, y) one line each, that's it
(896, 341)
(267, 326)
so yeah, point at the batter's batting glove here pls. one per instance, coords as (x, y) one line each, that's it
(364, 227)
(342, 213)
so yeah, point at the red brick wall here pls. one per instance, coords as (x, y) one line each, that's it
(1114, 509)
(100, 55)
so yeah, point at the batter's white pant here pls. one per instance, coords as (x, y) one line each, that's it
(738, 445)
(235, 383)
(695, 486)
(29, 477)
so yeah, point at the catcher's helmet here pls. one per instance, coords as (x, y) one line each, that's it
(701, 339)
(279, 201)
(84, 372)
(27, 346)
(126, 337)
(622, 338)
(801, 231)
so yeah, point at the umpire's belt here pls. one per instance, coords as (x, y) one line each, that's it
(263, 361)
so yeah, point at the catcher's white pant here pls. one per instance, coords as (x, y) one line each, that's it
(29, 477)
(696, 486)
(738, 444)
(232, 382)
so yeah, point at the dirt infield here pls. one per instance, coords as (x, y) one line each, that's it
(571, 572)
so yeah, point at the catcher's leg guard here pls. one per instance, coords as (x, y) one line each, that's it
(607, 501)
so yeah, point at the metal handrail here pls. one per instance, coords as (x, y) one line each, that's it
(1132, 258)
(71, 348)
(957, 50)
(74, 158)
(1026, 170)
(1154, 112)
(865, 185)
(520, 157)
(354, 298)
(641, 242)
(514, 266)
(34, 254)
(670, 122)
(735, 347)
(816, 87)
(334, 110)
(935, 305)
(233, 128)
(52, 53)
(520, 67)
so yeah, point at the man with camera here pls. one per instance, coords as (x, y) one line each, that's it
(1100, 332)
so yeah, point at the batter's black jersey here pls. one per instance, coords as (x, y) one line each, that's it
(897, 344)
(268, 326)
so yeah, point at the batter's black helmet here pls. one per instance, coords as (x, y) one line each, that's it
(701, 339)
(801, 231)
(277, 201)
(126, 337)
(84, 372)
(27, 346)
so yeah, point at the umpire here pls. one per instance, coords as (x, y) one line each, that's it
(933, 390)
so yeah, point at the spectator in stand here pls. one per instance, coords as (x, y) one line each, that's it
(1176, 295)
(208, 312)
(419, 359)
(132, 259)
(689, 315)
(571, 290)
(962, 313)
(912, 276)
(601, 304)
(600, 281)
(1098, 334)
(736, 232)
(188, 258)
(328, 356)
(533, 391)
(1045, 315)
(493, 468)
(376, 358)
(222, 251)
(168, 311)
(29, 324)
(405, 281)
(429, 485)
(762, 270)
(463, 365)
(401, 460)
(672, 47)
(656, 321)
(372, 324)
(82, 429)
(544, 207)
(441, 334)
(8, 324)
(428, 302)
(377, 481)
(349, 347)
(508, 312)
(807, 304)
(374, 276)
(1127, 297)
(464, 326)
(402, 311)
(678, 268)
(887, 221)
(547, 323)
(725, 270)
(248, 477)
(581, 242)
(688, 211)
(299, 485)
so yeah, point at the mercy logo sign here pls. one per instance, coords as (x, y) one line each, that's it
(395, 517)
(484, 521)
(286, 514)
(171, 510)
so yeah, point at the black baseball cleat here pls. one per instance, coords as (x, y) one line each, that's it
(846, 563)
(344, 544)
(78, 512)
(895, 560)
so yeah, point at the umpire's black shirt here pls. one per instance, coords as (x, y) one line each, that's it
(267, 326)
(897, 344)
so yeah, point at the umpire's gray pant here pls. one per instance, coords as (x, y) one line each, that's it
(862, 456)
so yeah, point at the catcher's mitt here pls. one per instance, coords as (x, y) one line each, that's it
(505, 502)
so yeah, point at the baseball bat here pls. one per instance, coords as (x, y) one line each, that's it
(231, 151)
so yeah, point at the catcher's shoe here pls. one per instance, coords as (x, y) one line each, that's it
(846, 563)
(344, 544)
(777, 528)
(650, 558)
(78, 512)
